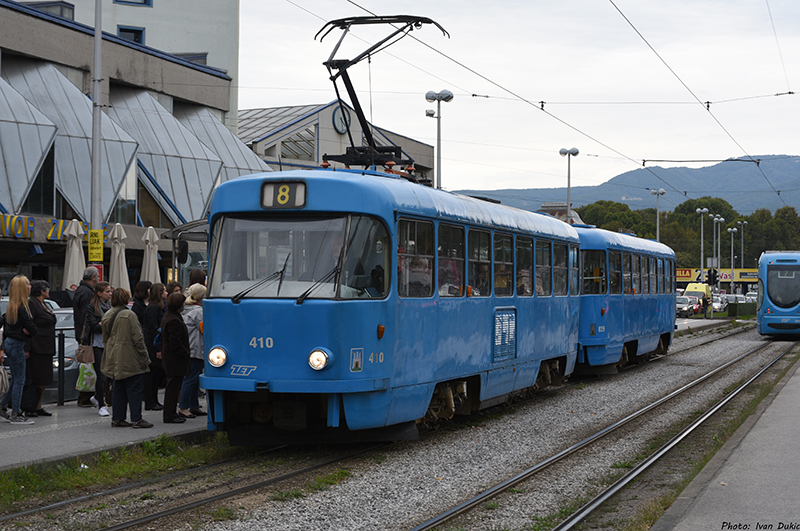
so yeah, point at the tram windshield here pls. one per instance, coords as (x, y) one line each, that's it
(341, 256)
(783, 285)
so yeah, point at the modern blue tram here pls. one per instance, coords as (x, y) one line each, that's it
(627, 298)
(778, 300)
(358, 303)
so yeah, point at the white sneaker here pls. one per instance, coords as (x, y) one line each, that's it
(103, 411)
(94, 402)
(19, 418)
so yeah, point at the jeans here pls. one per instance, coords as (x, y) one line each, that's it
(15, 353)
(100, 383)
(127, 392)
(191, 385)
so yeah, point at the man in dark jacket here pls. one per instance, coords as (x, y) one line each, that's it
(80, 301)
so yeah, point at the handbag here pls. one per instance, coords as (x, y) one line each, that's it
(4, 386)
(87, 377)
(85, 354)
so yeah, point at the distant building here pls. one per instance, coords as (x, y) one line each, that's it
(558, 209)
(299, 136)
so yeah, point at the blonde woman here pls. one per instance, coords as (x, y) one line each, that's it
(19, 329)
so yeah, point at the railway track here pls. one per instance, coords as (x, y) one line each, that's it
(242, 488)
(485, 496)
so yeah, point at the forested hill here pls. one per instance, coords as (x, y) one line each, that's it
(745, 185)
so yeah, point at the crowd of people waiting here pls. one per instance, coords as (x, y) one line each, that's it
(155, 342)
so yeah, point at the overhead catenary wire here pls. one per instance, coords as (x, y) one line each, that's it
(540, 105)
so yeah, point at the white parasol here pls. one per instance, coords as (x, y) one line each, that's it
(118, 276)
(75, 263)
(150, 263)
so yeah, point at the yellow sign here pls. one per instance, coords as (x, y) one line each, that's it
(95, 246)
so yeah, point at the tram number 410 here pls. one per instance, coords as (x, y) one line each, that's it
(261, 342)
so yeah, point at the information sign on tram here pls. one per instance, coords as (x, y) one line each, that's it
(283, 195)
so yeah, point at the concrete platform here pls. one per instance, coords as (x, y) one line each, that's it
(74, 430)
(753, 482)
(685, 325)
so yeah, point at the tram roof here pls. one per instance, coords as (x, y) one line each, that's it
(593, 237)
(384, 195)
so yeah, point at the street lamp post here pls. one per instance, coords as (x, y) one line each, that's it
(438, 97)
(569, 153)
(742, 224)
(702, 212)
(658, 193)
(720, 221)
(732, 232)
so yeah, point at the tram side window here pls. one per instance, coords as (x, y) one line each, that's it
(451, 261)
(653, 278)
(594, 272)
(645, 275)
(414, 258)
(367, 262)
(574, 270)
(615, 272)
(626, 273)
(560, 269)
(480, 261)
(503, 265)
(661, 284)
(524, 266)
(636, 275)
(544, 286)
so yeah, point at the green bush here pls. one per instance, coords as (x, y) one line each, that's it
(741, 308)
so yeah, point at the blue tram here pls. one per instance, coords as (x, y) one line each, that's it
(627, 298)
(778, 300)
(356, 304)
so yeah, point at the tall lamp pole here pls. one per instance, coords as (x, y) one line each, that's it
(569, 153)
(702, 212)
(658, 193)
(742, 224)
(732, 232)
(438, 97)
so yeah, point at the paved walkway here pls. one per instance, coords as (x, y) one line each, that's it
(74, 430)
(753, 482)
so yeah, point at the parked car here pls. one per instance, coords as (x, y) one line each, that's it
(751, 296)
(696, 305)
(4, 304)
(741, 298)
(683, 307)
(720, 304)
(64, 324)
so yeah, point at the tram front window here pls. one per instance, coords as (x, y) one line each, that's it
(783, 285)
(343, 257)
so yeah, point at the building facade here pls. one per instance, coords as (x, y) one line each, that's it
(164, 146)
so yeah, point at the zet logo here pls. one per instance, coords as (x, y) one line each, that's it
(242, 370)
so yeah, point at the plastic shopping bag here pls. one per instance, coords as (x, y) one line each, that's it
(86, 378)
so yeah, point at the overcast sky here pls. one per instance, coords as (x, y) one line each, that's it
(621, 81)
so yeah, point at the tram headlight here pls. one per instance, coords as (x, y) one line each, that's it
(217, 357)
(320, 359)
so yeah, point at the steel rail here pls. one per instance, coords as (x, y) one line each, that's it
(247, 488)
(123, 488)
(587, 509)
(528, 473)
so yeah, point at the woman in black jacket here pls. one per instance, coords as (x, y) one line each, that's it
(43, 343)
(19, 328)
(140, 295)
(151, 322)
(174, 355)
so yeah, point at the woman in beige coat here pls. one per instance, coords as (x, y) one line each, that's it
(125, 360)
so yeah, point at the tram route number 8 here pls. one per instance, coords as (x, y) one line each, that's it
(261, 342)
(283, 195)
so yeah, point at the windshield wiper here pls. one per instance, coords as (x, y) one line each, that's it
(277, 274)
(328, 276)
(283, 271)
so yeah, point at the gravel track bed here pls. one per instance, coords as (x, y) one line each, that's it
(415, 481)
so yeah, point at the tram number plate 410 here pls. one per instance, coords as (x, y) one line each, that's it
(261, 342)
